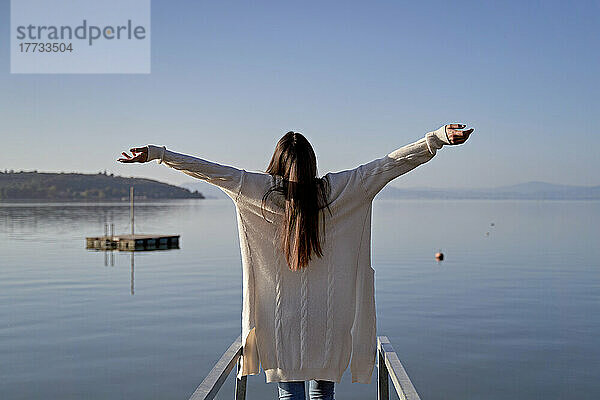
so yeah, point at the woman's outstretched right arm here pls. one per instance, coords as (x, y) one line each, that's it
(377, 173)
(228, 178)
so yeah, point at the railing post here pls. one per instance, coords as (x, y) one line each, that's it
(383, 388)
(389, 368)
(240, 384)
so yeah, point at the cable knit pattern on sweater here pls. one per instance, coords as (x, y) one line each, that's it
(313, 323)
(303, 316)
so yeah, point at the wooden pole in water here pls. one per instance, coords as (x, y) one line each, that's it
(131, 209)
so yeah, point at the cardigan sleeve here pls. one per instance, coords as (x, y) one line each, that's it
(377, 173)
(228, 179)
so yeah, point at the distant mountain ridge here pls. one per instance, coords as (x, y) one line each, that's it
(534, 190)
(83, 187)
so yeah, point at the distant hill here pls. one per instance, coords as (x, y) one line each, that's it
(208, 190)
(92, 187)
(522, 191)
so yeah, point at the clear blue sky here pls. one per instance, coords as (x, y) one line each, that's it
(359, 79)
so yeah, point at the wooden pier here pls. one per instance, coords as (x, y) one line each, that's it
(134, 242)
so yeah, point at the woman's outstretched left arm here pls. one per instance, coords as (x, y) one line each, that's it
(227, 178)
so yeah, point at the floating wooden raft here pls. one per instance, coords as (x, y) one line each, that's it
(135, 242)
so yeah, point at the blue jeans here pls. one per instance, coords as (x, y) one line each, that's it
(318, 390)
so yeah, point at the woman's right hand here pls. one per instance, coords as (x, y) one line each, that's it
(139, 154)
(456, 135)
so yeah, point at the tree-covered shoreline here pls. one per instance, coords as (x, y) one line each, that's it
(33, 185)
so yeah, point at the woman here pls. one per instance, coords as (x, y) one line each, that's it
(308, 285)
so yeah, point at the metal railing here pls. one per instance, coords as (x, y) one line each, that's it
(209, 387)
(388, 367)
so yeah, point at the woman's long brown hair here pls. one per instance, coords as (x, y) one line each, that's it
(305, 196)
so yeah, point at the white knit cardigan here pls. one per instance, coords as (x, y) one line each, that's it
(308, 324)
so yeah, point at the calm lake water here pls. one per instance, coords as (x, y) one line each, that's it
(513, 314)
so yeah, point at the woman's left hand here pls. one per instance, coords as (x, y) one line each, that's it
(140, 155)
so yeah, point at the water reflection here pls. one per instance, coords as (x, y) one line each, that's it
(132, 272)
(65, 225)
(20, 219)
(109, 259)
(500, 311)
(106, 257)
